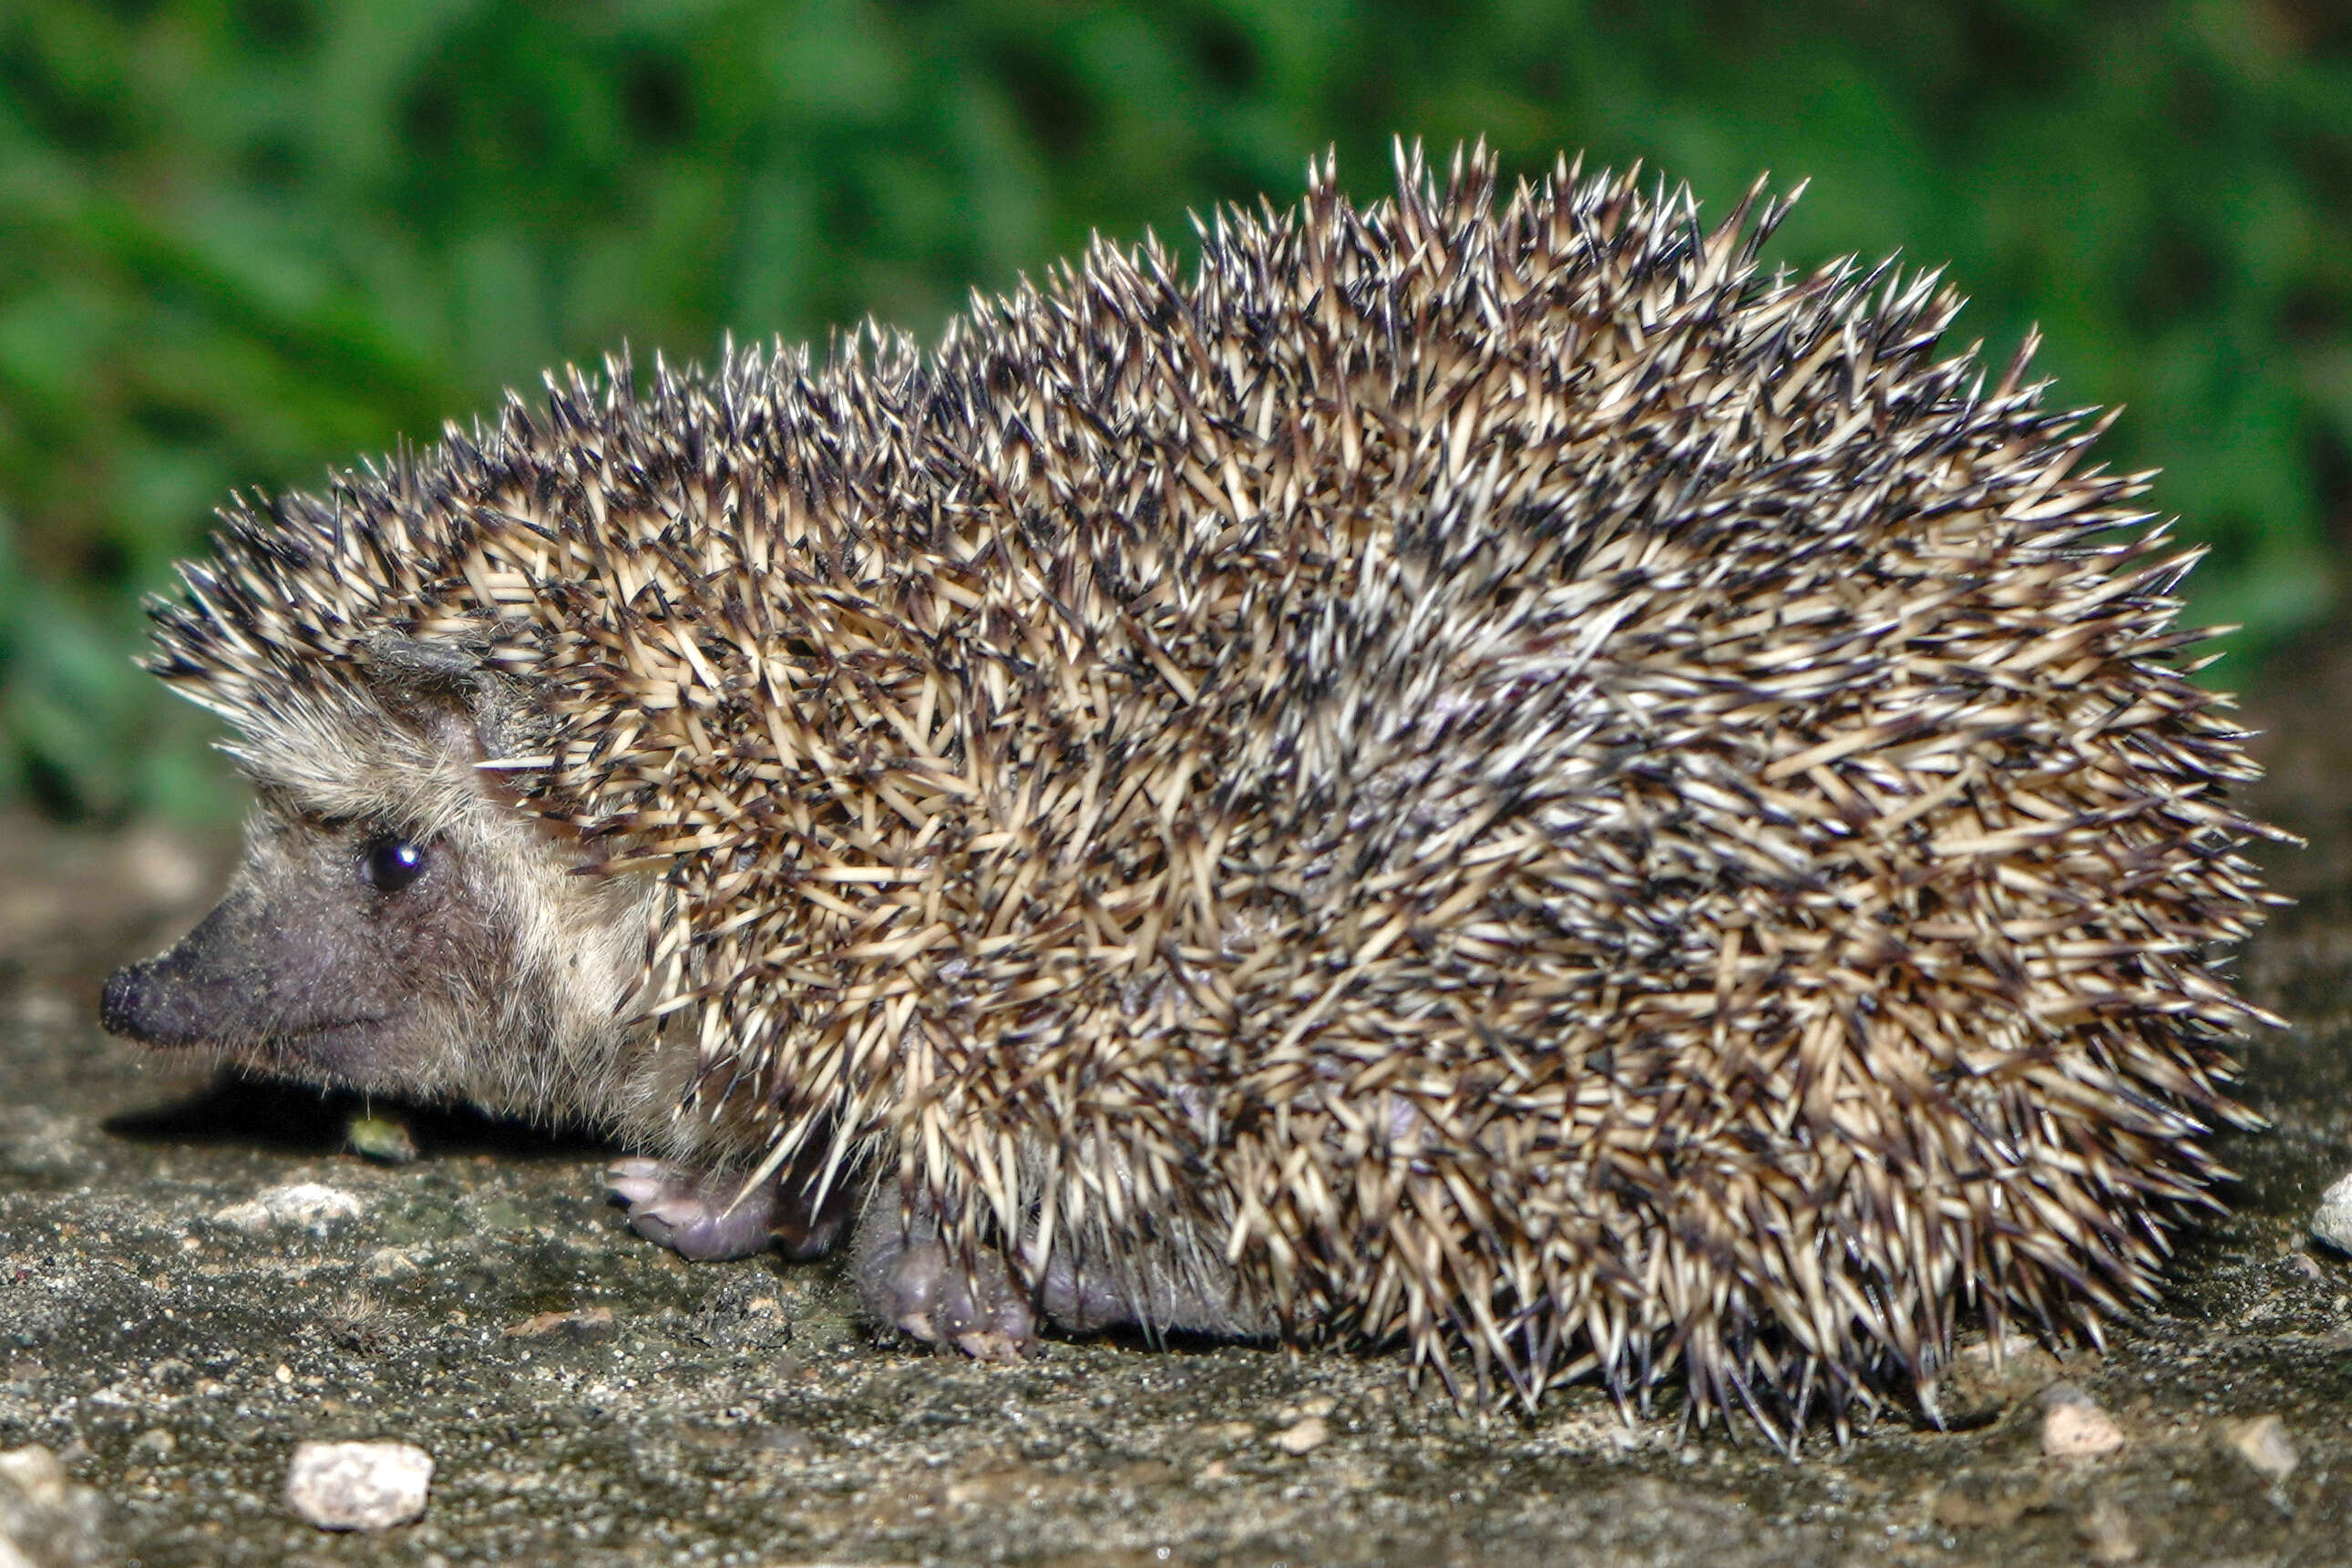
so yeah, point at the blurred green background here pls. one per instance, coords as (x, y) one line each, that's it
(241, 240)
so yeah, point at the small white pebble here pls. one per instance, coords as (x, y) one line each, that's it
(308, 1204)
(38, 1474)
(2263, 1444)
(248, 1218)
(2333, 1222)
(311, 1203)
(579, 1323)
(357, 1486)
(46, 1518)
(1305, 1437)
(391, 1263)
(2074, 1428)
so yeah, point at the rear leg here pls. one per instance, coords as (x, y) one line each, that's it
(912, 1279)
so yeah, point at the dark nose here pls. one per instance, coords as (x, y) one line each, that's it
(203, 991)
(184, 997)
(117, 1007)
(131, 1006)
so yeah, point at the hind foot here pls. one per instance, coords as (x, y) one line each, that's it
(694, 1213)
(911, 1281)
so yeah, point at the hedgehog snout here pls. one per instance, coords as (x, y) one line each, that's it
(201, 991)
(298, 974)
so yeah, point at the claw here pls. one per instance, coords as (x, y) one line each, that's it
(991, 1345)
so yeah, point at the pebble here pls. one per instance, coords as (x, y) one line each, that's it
(579, 1325)
(357, 1486)
(2073, 1427)
(391, 1263)
(47, 1521)
(2263, 1444)
(308, 1204)
(1304, 1438)
(2333, 1222)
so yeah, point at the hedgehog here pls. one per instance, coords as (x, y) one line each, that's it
(1476, 773)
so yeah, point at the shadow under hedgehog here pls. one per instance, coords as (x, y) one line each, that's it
(1484, 775)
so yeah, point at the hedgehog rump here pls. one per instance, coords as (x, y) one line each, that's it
(1515, 782)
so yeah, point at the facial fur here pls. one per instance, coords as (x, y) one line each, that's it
(396, 925)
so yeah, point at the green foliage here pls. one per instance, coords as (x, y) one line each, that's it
(241, 240)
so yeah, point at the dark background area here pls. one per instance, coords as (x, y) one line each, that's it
(243, 240)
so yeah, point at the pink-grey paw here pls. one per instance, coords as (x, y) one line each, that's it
(916, 1285)
(694, 1214)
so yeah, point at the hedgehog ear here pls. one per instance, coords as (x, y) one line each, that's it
(448, 683)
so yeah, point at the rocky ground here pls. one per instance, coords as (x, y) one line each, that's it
(197, 1275)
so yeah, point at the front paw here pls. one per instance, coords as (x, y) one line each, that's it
(694, 1214)
(917, 1284)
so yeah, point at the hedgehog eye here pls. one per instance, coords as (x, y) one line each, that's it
(392, 863)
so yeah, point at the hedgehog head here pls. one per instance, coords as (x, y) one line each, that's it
(396, 925)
